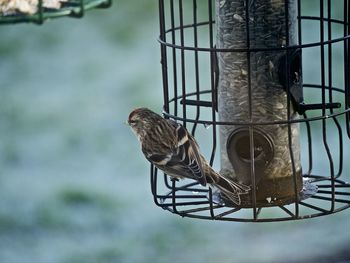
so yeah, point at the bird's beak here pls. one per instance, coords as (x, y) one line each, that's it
(126, 123)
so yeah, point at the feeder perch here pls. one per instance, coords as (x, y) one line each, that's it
(38, 11)
(264, 86)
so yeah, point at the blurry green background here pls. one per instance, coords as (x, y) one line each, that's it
(74, 186)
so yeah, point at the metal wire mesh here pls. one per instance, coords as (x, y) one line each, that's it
(40, 12)
(191, 76)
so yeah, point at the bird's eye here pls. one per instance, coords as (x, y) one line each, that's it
(131, 122)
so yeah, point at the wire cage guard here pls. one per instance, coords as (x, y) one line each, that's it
(264, 88)
(38, 11)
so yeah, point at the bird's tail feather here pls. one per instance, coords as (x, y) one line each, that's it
(231, 190)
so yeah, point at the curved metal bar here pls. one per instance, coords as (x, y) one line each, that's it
(281, 48)
(281, 122)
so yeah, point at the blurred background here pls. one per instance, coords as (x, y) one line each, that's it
(74, 186)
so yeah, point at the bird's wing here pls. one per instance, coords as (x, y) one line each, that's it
(186, 157)
(184, 160)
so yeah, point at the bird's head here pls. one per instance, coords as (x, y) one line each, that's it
(142, 119)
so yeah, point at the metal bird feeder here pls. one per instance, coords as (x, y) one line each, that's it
(38, 11)
(264, 86)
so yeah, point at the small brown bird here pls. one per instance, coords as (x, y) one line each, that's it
(172, 149)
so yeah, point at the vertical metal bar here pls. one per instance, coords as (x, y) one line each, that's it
(309, 144)
(307, 123)
(290, 141)
(173, 195)
(41, 12)
(81, 9)
(323, 81)
(212, 80)
(299, 23)
(166, 181)
(196, 63)
(163, 52)
(347, 63)
(330, 91)
(346, 54)
(154, 175)
(250, 110)
(329, 28)
(341, 148)
(330, 85)
(153, 187)
(211, 210)
(173, 40)
(212, 87)
(164, 61)
(183, 69)
(348, 71)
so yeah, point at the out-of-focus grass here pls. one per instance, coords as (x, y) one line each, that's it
(67, 209)
(79, 208)
(9, 48)
(65, 161)
(9, 223)
(83, 197)
(102, 255)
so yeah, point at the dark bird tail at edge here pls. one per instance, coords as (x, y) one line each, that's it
(231, 190)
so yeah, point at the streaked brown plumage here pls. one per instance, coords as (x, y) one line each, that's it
(172, 149)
